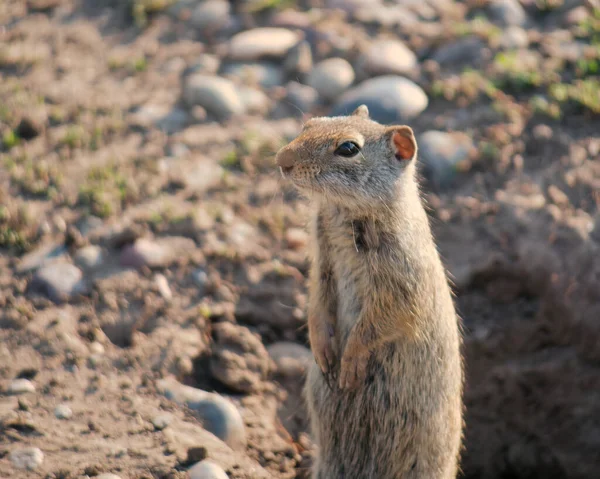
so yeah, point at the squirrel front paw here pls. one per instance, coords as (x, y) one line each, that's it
(322, 343)
(353, 367)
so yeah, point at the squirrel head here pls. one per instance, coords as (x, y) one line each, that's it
(350, 159)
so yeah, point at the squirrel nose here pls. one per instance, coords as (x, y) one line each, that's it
(286, 159)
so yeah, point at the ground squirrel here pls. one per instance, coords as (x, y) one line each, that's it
(385, 393)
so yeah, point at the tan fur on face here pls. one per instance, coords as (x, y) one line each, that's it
(385, 392)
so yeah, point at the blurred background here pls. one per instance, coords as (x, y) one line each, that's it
(152, 260)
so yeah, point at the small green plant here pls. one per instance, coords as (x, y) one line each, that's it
(10, 139)
(513, 73)
(231, 160)
(74, 137)
(541, 105)
(140, 64)
(584, 93)
(256, 6)
(141, 10)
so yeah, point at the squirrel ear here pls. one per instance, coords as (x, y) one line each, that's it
(403, 142)
(362, 111)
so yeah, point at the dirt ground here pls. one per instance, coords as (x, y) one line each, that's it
(148, 243)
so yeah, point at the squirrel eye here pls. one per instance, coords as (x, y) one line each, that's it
(347, 149)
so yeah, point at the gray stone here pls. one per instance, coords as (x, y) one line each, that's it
(331, 77)
(58, 281)
(262, 42)
(163, 117)
(513, 38)
(465, 50)
(89, 257)
(507, 12)
(210, 16)
(155, 253)
(292, 359)
(29, 458)
(254, 101)
(299, 59)
(207, 470)
(217, 414)
(239, 359)
(442, 153)
(21, 386)
(219, 96)
(41, 256)
(389, 99)
(300, 98)
(265, 74)
(200, 279)
(62, 411)
(385, 57)
(161, 421)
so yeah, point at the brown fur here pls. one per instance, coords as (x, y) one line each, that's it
(385, 393)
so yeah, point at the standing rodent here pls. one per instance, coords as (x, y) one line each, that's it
(385, 394)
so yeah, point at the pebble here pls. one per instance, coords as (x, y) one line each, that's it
(299, 60)
(21, 386)
(210, 16)
(352, 5)
(29, 458)
(58, 281)
(217, 414)
(206, 63)
(107, 475)
(389, 99)
(161, 421)
(62, 411)
(262, 42)
(331, 77)
(96, 348)
(254, 101)
(465, 50)
(89, 257)
(267, 75)
(200, 279)
(239, 358)
(441, 154)
(300, 98)
(514, 37)
(388, 16)
(163, 286)
(507, 12)
(155, 254)
(296, 238)
(385, 57)
(41, 256)
(207, 470)
(219, 96)
(291, 359)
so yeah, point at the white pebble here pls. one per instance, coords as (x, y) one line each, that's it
(163, 286)
(62, 411)
(21, 386)
(27, 458)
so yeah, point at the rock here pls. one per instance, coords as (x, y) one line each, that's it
(163, 286)
(219, 96)
(161, 421)
(62, 411)
(442, 153)
(507, 12)
(296, 238)
(254, 101)
(200, 279)
(261, 43)
(300, 98)
(291, 359)
(331, 77)
(239, 359)
(210, 16)
(21, 386)
(29, 458)
(352, 5)
(389, 99)
(217, 414)
(388, 16)
(206, 63)
(388, 57)
(465, 50)
(58, 281)
(41, 256)
(89, 257)
(165, 117)
(207, 470)
(514, 37)
(107, 475)
(267, 75)
(155, 253)
(299, 59)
